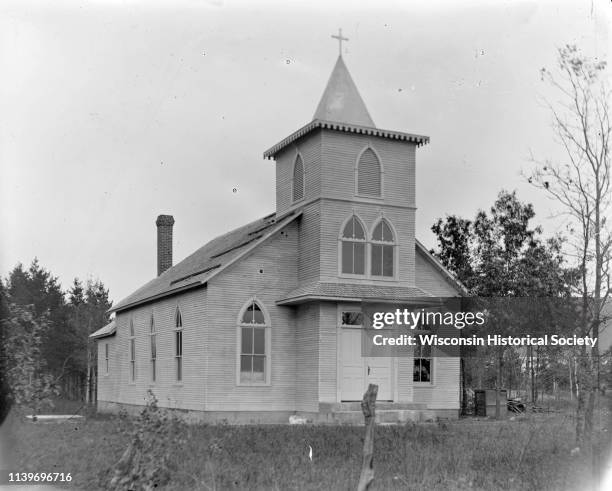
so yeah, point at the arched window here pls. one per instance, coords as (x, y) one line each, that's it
(369, 174)
(353, 247)
(298, 179)
(132, 352)
(153, 336)
(382, 250)
(178, 344)
(254, 345)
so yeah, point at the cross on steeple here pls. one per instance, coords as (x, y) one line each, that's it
(340, 39)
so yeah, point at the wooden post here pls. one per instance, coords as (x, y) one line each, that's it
(368, 407)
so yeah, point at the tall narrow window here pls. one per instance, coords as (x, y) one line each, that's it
(253, 351)
(369, 174)
(353, 247)
(298, 179)
(106, 357)
(422, 363)
(382, 250)
(178, 344)
(132, 352)
(153, 350)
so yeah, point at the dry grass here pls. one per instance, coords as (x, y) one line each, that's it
(533, 452)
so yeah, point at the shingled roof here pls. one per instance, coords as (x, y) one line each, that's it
(108, 330)
(196, 269)
(352, 292)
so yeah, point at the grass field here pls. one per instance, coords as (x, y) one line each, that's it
(532, 452)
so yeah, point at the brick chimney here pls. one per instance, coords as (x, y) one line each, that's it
(164, 242)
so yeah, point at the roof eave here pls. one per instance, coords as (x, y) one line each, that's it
(419, 140)
(157, 297)
(442, 269)
(312, 298)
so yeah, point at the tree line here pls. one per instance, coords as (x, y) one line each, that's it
(44, 336)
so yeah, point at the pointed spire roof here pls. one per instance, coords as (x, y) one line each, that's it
(341, 102)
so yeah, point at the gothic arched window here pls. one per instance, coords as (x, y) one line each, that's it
(153, 337)
(383, 244)
(369, 174)
(353, 247)
(178, 344)
(298, 179)
(254, 345)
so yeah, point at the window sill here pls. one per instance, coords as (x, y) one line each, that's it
(423, 384)
(253, 384)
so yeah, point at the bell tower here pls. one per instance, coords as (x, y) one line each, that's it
(354, 184)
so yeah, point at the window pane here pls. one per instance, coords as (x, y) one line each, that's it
(259, 341)
(153, 348)
(247, 340)
(133, 370)
(179, 343)
(377, 259)
(387, 235)
(352, 318)
(425, 370)
(246, 363)
(247, 318)
(347, 257)
(378, 234)
(132, 350)
(353, 230)
(131, 328)
(358, 232)
(387, 262)
(359, 251)
(153, 370)
(258, 317)
(179, 369)
(258, 368)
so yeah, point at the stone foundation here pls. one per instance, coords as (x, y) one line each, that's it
(342, 413)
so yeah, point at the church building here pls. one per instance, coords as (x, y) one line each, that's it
(265, 321)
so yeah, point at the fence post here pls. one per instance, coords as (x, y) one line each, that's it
(368, 407)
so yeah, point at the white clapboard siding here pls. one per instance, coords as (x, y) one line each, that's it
(431, 279)
(188, 393)
(309, 148)
(266, 273)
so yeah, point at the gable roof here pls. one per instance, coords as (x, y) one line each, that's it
(341, 101)
(195, 270)
(435, 262)
(108, 330)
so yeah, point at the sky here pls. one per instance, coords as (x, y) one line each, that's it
(114, 112)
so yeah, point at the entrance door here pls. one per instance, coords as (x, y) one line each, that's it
(359, 371)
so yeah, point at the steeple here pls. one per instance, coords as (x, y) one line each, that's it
(341, 102)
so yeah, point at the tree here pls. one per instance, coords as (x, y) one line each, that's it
(581, 184)
(499, 256)
(31, 385)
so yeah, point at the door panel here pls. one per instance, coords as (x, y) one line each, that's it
(353, 370)
(379, 373)
(359, 371)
